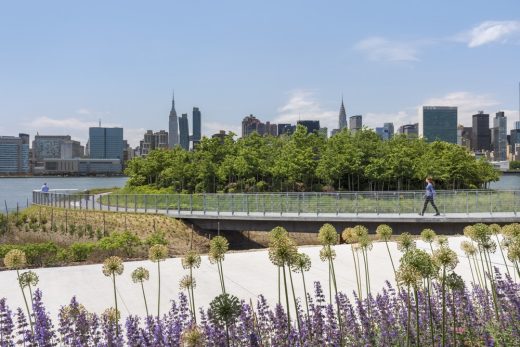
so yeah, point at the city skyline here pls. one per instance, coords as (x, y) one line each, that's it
(265, 59)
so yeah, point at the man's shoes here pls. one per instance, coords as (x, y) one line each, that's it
(420, 214)
(437, 214)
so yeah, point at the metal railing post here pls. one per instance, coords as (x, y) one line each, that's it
(398, 203)
(467, 204)
(232, 204)
(156, 209)
(490, 202)
(317, 204)
(263, 200)
(281, 204)
(204, 202)
(108, 201)
(218, 205)
(356, 205)
(191, 203)
(377, 203)
(514, 202)
(135, 203)
(337, 204)
(145, 197)
(126, 203)
(167, 203)
(247, 203)
(117, 203)
(299, 203)
(414, 202)
(178, 203)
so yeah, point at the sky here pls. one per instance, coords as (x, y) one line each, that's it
(66, 64)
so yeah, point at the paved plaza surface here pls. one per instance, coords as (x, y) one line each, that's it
(247, 275)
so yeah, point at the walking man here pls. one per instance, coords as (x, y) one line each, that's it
(45, 190)
(428, 197)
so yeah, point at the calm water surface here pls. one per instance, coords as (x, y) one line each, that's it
(19, 190)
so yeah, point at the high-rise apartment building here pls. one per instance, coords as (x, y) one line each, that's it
(313, 126)
(481, 134)
(342, 117)
(250, 124)
(355, 123)
(386, 132)
(153, 140)
(184, 132)
(106, 143)
(440, 123)
(514, 141)
(409, 130)
(500, 136)
(173, 126)
(284, 128)
(49, 146)
(464, 136)
(14, 154)
(196, 123)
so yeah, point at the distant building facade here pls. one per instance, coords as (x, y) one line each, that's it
(409, 130)
(313, 126)
(184, 132)
(500, 137)
(14, 154)
(196, 123)
(284, 128)
(464, 136)
(153, 140)
(514, 141)
(80, 167)
(440, 123)
(106, 143)
(173, 126)
(481, 134)
(355, 123)
(251, 124)
(386, 132)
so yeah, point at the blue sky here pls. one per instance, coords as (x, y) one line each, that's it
(65, 64)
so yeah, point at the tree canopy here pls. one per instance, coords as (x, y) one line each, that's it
(309, 162)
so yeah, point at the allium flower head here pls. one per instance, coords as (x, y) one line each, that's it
(442, 241)
(349, 235)
(28, 278)
(218, 246)
(469, 232)
(454, 281)
(365, 242)
(511, 230)
(481, 232)
(187, 282)
(328, 235)
(192, 337)
(282, 251)
(513, 250)
(225, 308)
(445, 257)
(15, 259)
(420, 261)
(276, 233)
(407, 275)
(405, 242)
(72, 312)
(111, 314)
(191, 260)
(489, 245)
(428, 235)
(384, 232)
(495, 229)
(157, 253)
(113, 266)
(140, 275)
(327, 253)
(301, 262)
(468, 248)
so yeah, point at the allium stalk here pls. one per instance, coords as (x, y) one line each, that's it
(113, 266)
(158, 253)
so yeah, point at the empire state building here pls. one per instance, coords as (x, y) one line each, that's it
(173, 127)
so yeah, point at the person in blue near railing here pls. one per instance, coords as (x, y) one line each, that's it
(428, 197)
(45, 188)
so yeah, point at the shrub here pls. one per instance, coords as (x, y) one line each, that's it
(38, 254)
(156, 238)
(126, 242)
(80, 251)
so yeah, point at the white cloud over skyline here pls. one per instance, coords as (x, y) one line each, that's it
(490, 32)
(382, 49)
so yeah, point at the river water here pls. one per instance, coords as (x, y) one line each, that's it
(18, 190)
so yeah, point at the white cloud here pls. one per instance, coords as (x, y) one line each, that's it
(381, 49)
(490, 31)
(373, 120)
(302, 104)
(64, 123)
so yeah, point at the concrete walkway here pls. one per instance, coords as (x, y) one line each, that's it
(247, 275)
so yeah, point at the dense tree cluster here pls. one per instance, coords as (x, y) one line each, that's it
(309, 162)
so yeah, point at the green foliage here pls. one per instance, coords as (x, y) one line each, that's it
(156, 238)
(125, 242)
(307, 162)
(38, 254)
(514, 165)
(80, 251)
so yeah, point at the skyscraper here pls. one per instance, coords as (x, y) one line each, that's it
(409, 130)
(356, 123)
(500, 137)
(14, 154)
(440, 123)
(514, 140)
(481, 135)
(342, 117)
(184, 132)
(386, 132)
(249, 125)
(106, 143)
(173, 126)
(196, 126)
(311, 125)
